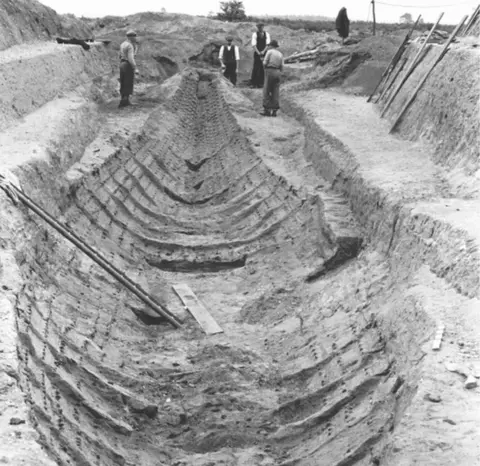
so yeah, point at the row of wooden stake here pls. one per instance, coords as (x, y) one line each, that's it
(418, 57)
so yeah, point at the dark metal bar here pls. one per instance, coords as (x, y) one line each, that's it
(97, 257)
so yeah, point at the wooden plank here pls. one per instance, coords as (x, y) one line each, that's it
(412, 67)
(196, 308)
(422, 82)
(438, 337)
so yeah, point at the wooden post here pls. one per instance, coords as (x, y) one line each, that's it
(392, 82)
(374, 17)
(471, 20)
(393, 63)
(422, 82)
(412, 66)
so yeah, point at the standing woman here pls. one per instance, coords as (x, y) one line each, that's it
(342, 24)
(260, 40)
(128, 68)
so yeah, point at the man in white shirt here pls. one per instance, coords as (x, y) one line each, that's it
(260, 41)
(128, 67)
(229, 57)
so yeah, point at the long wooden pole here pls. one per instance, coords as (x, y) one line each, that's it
(411, 68)
(97, 257)
(471, 20)
(395, 59)
(422, 82)
(392, 82)
(374, 17)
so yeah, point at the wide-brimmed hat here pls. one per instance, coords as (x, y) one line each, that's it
(260, 24)
(273, 43)
(131, 33)
(229, 38)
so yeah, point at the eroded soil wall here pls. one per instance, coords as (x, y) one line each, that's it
(446, 109)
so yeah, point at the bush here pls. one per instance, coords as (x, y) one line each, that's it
(232, 11)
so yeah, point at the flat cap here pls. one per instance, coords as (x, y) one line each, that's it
(260, 24)
(273, 43)
(229, 38)
(131, 33)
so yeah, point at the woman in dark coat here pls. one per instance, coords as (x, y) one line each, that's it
(342, 24)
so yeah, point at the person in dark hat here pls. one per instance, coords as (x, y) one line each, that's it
(229, 57)
(273, 63)
(342, 24)
(128, 67)
(260, 41)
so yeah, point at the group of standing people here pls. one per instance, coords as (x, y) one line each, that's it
(267, 63)
(266, 71)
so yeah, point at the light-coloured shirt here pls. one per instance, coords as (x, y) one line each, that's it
(222, 50)
(273, 59)
(127, 52)
(254, 38)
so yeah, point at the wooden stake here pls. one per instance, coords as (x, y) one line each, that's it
(392, 82)
(422, 82)
(412, 67)
(374, 17)
(471, 20)
(395, 59)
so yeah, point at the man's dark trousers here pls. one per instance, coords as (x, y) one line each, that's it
(231, 72)
(271, 89)
(127, 76)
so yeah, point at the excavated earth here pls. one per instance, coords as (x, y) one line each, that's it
(328, 250)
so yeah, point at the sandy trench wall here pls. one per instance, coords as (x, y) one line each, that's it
(22, 236)
(411, 242)
(51, 88)
(391, 222)
(18, 443)
(446, 110)
(28, 20)
(33, 75)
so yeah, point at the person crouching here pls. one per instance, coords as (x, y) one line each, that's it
(273, 64)
(229, 57)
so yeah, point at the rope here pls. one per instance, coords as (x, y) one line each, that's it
(427, 6)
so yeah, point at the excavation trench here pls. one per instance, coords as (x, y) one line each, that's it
(301, 374)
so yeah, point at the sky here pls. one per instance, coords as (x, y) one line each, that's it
(386, 10)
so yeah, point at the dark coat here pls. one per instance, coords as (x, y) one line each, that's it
(342, 23)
